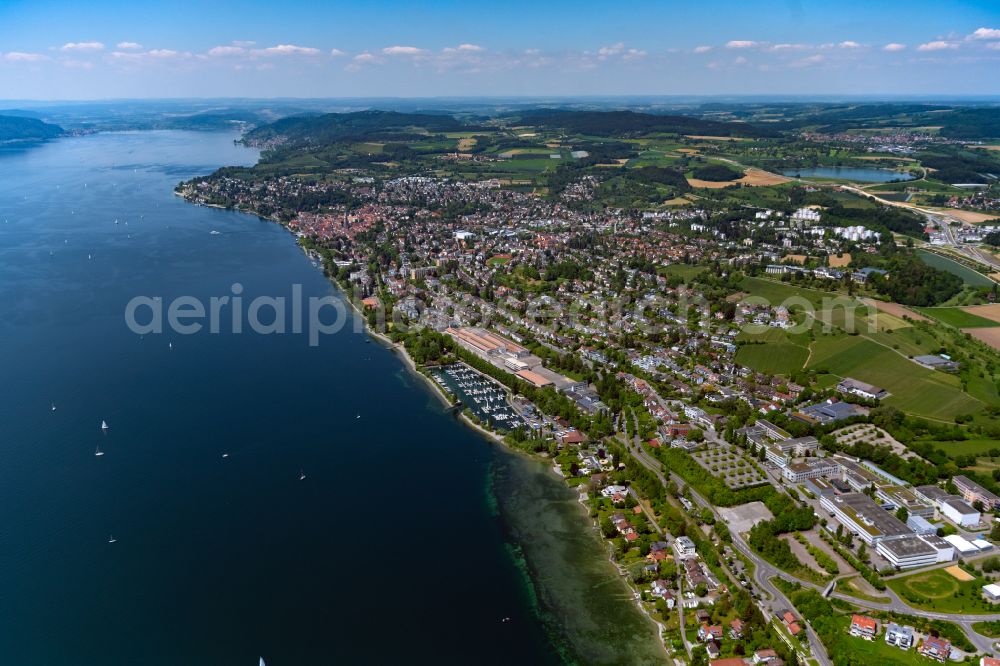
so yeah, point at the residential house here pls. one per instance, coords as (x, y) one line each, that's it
(899, 636)
(863, 626)
(935, 648)
(765, 656)
(736, 629)
(708, 632)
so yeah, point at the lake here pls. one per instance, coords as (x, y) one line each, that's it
(405, 542)
(851, 174)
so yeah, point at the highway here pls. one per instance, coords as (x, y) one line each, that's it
(942, 220)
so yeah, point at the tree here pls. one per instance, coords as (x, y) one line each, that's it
(902, 513)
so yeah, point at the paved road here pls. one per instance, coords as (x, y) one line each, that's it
(943, 220)
(763, 571)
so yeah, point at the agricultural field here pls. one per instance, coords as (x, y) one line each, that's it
(958, 317)
(915, 390)
(773, 358)
(776, 292)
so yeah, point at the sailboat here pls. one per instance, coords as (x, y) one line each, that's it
(262, 662)
(98, 452)
(104, 426)
(358, 416)
(302, 475)
(53, 406)
(112, 539)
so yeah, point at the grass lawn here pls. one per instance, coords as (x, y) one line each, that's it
(773, 358)
(910, 340)
(991, 629)
(915, 390)
(683, 271)
(957, 317)
(937, 590)
(852, 587)
(976, 447)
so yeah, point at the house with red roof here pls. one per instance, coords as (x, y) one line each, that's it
(863, 626)
(935, 648)
(710, 632)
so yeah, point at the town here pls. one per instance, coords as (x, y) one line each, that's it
(777, 405)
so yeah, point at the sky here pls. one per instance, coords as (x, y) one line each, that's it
(101, 49)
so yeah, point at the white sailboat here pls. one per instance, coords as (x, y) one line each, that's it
(104, 426)
(262, 662)
(98, 451)
(112, 539)
(53, 406)
(302, 475)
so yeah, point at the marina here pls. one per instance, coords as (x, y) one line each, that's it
(483, 396)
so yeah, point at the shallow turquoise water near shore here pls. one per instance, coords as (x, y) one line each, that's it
(395, 547)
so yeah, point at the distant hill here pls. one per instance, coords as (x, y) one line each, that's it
(15, 128)
(21, 113)
(360, 125)
(621, 123)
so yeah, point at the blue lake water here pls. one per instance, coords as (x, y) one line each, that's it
(397, 547)
(852, 174)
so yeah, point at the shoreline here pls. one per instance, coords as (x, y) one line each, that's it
(400, 351)
(553, 469)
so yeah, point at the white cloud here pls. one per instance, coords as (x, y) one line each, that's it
(217, 51)
(288, 49)
(129, 45)
(162, 53)
(814, 59)
(894, 46)
(788, 47)
(475, 48)
(619, 51)
(740, 44)
(739, 60)
(848, 44)
(985, 33)
(994, 45)
(402, 50)
(614, 49)
(702, 49)
(336, 53)
(82, 46)
(20, 56)
(365, 58)
(937, 46)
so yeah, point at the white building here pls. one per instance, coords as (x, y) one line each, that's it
(915, 551)
(963, 546)
(684, 547)
(960, 513)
